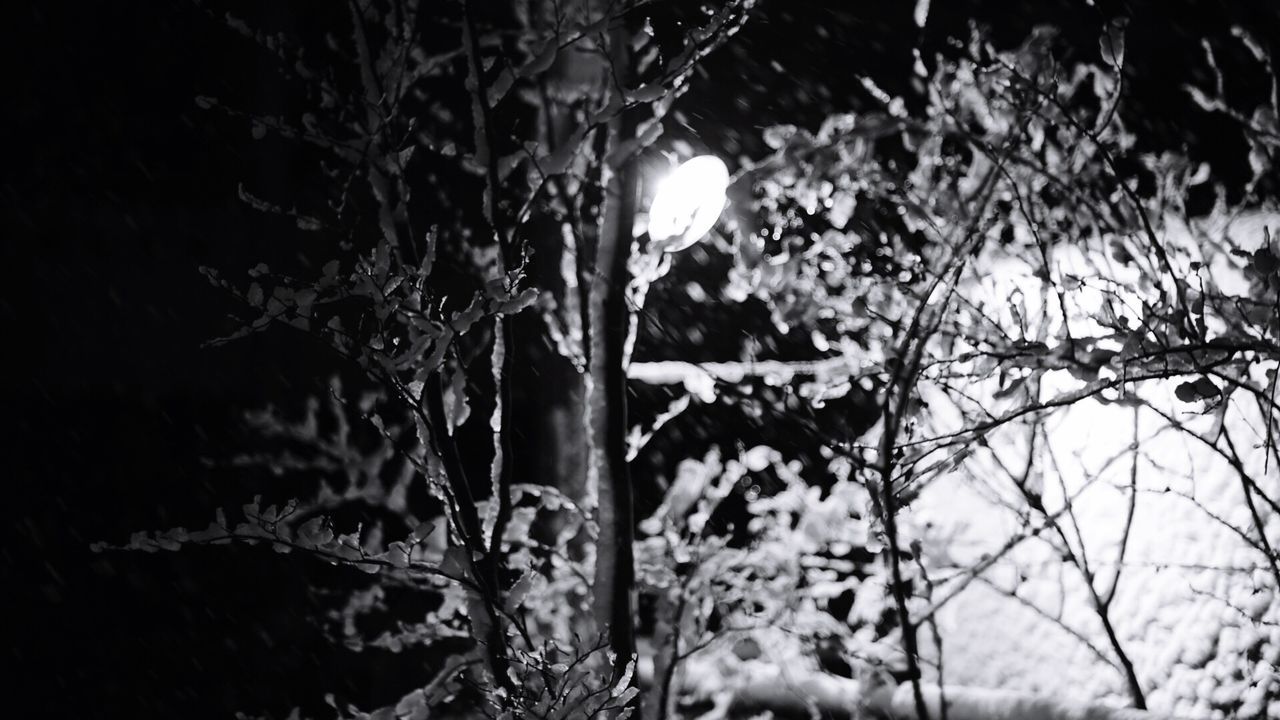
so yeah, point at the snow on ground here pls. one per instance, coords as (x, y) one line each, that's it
(1195, 609)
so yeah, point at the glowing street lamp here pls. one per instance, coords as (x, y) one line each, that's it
(687, 203)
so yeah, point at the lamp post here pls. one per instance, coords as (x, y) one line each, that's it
(685, 207)
(686, 204)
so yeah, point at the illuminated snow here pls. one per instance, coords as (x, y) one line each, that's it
(1196, 605)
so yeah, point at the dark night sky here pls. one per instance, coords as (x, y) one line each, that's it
(116, 187)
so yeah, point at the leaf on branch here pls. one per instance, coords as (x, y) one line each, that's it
(1199, 389)
(422, 532)
(558, 161)
(647, 93)
(517, 302)
(498, 90)
(519, 591)
(620, 688)
(465, 319)
(646, 134)
(1265, 262)
(1112, 42)
(777, 136)
(543, 61)
(1202, 99)
(457, 409)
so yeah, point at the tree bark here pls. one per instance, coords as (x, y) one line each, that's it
(589, 426)
(614, 573)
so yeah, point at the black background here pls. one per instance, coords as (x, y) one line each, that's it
(116, 187)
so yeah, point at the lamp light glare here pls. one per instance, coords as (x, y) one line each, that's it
(688, 202)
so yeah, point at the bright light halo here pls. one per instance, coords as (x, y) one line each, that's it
(688, 202)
